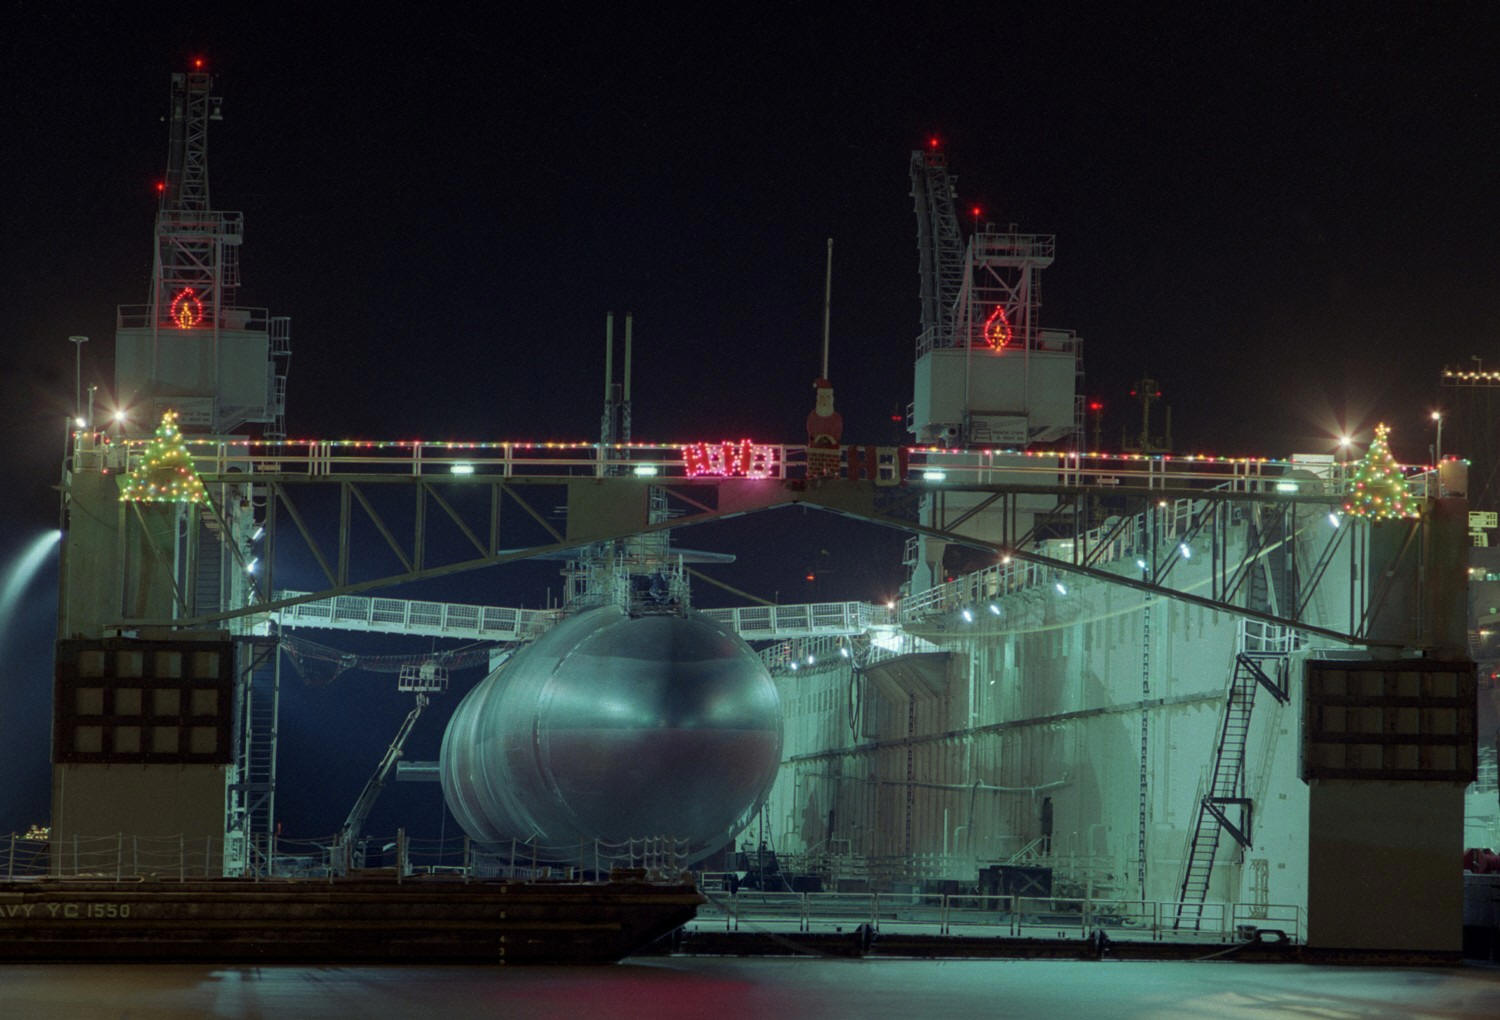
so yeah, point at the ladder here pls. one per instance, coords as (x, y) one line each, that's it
(1224, 807)
(1145, 761)
(251, 819)
(208, 574)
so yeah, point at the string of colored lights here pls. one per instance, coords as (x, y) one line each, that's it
(742, 458)
(165, 473)
(532, 444)
(1377, 488)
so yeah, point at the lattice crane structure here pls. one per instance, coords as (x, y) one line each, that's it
(191, 347)
(986, 370)
(940, 244)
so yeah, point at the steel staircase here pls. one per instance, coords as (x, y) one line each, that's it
(1224, 807)
(252, 796)
(208, 579)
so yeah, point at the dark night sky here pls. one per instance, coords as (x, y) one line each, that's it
(1285, 213)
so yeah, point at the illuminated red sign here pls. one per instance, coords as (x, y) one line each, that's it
(997, 331)
(729, 459)
(187, 310)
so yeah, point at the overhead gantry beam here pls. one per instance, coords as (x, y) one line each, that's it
(470, 511)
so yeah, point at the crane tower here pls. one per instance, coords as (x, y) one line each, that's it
(191, 347)
(988, 378)
(164, 732)
(987, 373)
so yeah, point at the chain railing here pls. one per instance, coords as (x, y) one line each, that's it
(25, 857)
(117, 857)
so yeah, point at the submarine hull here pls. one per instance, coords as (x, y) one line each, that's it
(611, 727)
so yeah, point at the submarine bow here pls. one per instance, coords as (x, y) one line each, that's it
(614, 727)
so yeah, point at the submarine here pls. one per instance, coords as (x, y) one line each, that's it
(615, 726)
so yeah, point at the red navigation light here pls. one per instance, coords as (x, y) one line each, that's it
(932, 143)
(197, 63)
(161, 186)
(1095, 405)
(976, 212)
(810, 577)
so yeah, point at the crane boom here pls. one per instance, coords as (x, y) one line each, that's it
(422, 680)
(355, 823)
(940, 246)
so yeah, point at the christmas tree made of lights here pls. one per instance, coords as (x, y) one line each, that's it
(165, 473)
(1377, 488)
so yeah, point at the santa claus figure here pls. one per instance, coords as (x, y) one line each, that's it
(824, 428)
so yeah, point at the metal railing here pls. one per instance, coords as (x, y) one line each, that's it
(826, 650)
(756, 623)
(128, 858)
(123, 857)
(928, 466)
(1105, 544)
(1257, 637)
(412, 616)
(117, 857)
(230, 317)
(992, 915)
(504, 623)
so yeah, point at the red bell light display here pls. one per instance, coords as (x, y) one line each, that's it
(729, 459)
(186, 309)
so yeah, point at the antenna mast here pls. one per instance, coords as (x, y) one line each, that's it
(827, 303)
(614, 426)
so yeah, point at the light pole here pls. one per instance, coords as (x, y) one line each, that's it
(1345, 442)
(1437, 456)
(78, 342)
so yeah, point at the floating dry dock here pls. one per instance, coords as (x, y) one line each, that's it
(359, 919)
